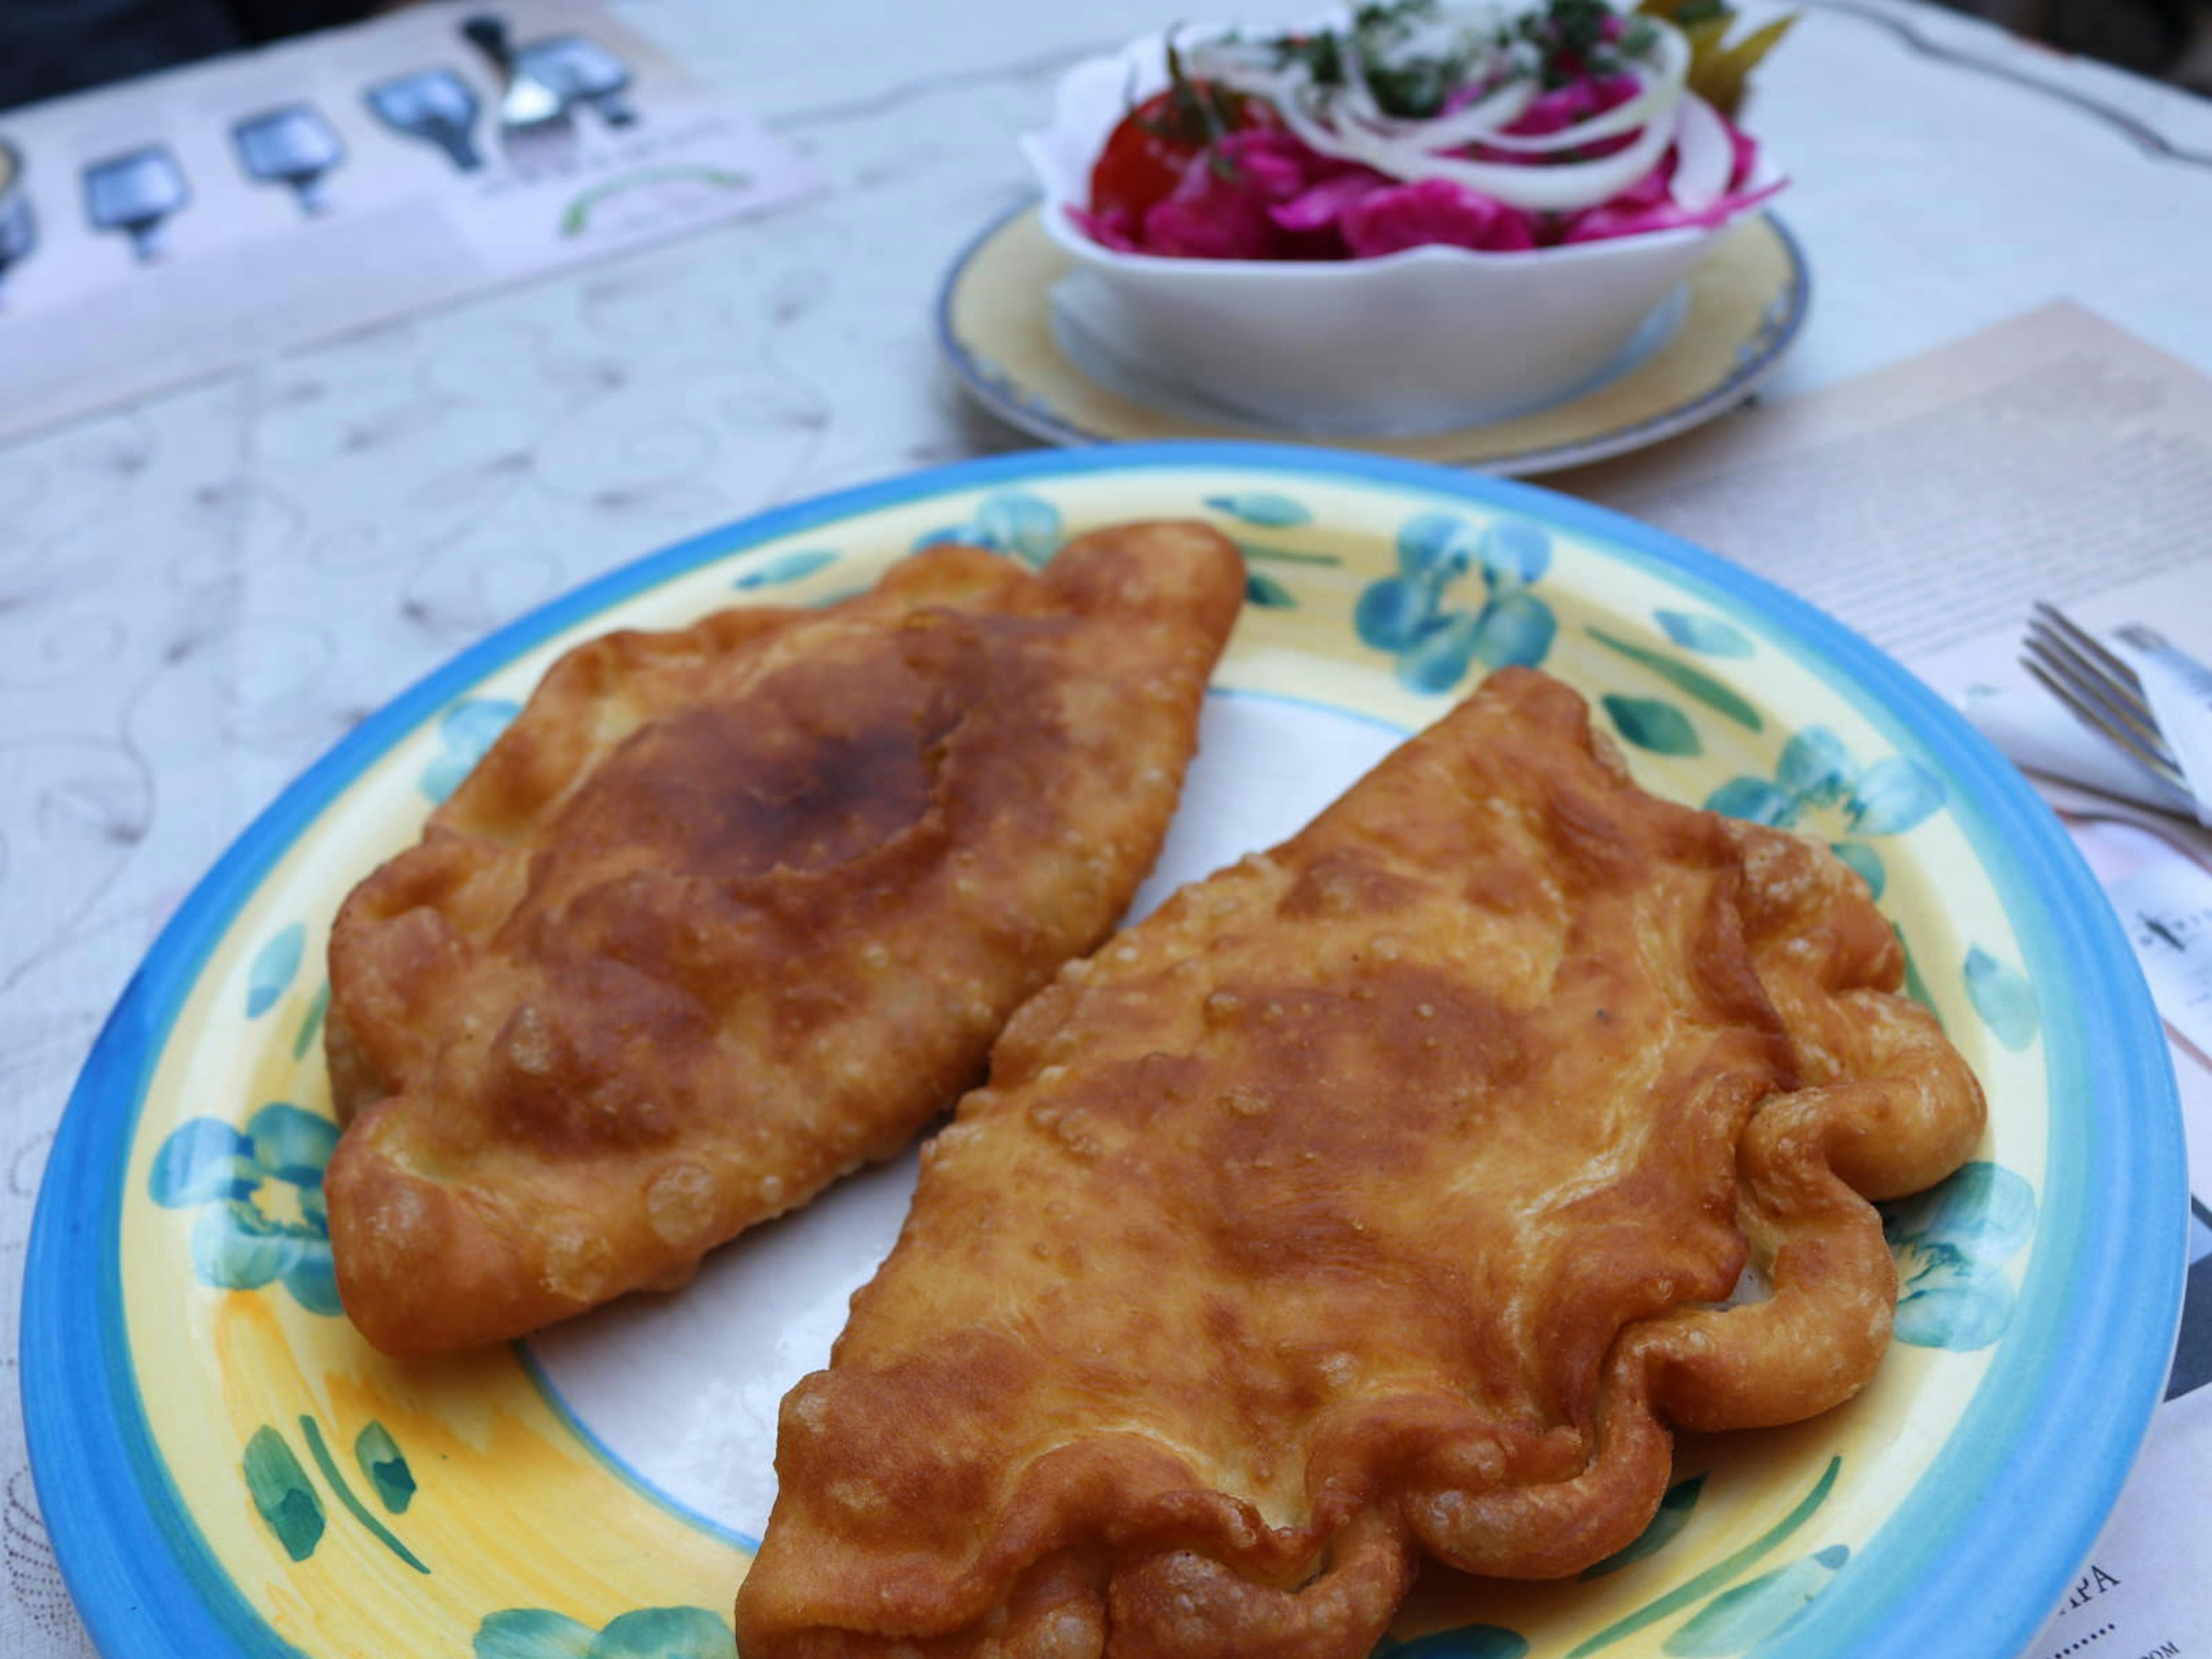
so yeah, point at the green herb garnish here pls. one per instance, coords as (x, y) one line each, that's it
(1570, 39)
(1196, 111)
(1718, 69)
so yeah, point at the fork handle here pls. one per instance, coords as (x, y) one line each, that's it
(2072, 802)
(488, 34)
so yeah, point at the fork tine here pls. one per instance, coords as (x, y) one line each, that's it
(2123, 703)
(2114, 667)
(2093, 716)
(2085, 695)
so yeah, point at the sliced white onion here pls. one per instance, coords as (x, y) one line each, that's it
(1563, 189)
(1703, 157)
(1662, 85)
(1346, 124)
(1356, 96)
(1479, 122)
(1316, 135)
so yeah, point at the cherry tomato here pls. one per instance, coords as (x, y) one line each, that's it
(1141, 163)
(1158, 142)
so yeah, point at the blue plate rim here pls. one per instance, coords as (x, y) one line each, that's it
(1982, 1599)
(1002, 397)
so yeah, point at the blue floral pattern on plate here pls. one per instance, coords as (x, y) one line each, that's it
(226, 1173)
(1952, 1243)
(1817, 774)
(466, 732)
(1006, 521)
(1437, 641)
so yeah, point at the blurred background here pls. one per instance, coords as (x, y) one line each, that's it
(48, 47)
(2169, 39)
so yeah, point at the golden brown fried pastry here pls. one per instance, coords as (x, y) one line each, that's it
(728, 911)
(1369, 1202)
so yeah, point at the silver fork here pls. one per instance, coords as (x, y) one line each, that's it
(536, 128)
(2101, 691)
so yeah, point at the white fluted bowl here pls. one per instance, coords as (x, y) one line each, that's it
(1425, 340)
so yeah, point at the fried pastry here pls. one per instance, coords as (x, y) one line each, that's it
(728, 911)
(1375, 1200)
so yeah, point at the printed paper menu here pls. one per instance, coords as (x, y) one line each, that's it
(343, 180)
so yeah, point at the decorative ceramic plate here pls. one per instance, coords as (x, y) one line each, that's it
(227, 1469)
(1709, 348)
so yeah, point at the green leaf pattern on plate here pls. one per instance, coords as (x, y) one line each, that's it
(384, 1465)
(1437, 641)
(1468, 1642)
(646, 1633)
(312, 1432)
(1694, 1589)
(1916, 985)
(1666, 1523)
(1738, 1619)
(281, 1493)
(1265, 591)
(237, 1243)
(1652, 724)
(1952, 1243)
(1695, 682)
(311, 1024)
(1256, 554)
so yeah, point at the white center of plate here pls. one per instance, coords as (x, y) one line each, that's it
(681, 1391)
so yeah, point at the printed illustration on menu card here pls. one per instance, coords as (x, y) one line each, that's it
(357, 175)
